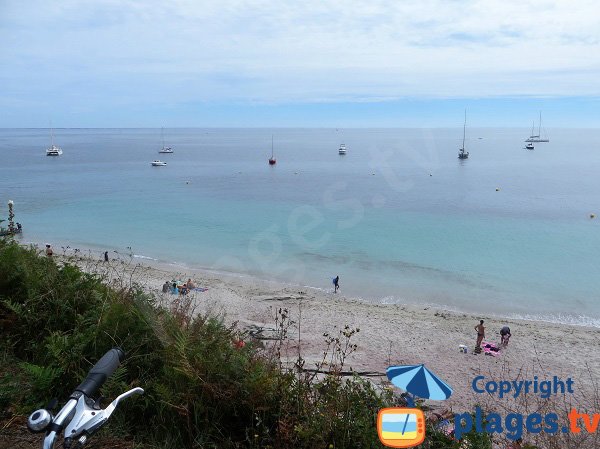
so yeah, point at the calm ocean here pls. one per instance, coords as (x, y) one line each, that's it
(399, 218)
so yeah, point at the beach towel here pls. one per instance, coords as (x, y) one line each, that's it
(200, 289)
(490, 349)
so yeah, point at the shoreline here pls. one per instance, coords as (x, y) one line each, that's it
(583, 321)
(389, 334)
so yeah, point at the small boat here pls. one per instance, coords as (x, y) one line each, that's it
(272, 160)
(462, 154)
(53, 150)
(342, 149)
(537, 137)
(158, 163)
(529, 146)
(164, 149)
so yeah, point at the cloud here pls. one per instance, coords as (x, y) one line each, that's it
(137, 52)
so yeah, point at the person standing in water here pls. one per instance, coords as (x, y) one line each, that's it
(480, 333)
(336, 284)
(105, 256)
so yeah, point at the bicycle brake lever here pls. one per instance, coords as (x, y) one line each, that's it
(88, 419)
(113, 405)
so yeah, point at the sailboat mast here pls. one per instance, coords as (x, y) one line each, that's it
(464, 130)
(540, 126)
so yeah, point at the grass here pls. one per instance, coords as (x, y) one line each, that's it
(201, 389)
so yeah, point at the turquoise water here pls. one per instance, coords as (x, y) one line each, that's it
(399, 218)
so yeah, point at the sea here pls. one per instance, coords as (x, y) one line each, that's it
(508, 232)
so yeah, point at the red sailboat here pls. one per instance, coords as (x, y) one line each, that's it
(272, 160)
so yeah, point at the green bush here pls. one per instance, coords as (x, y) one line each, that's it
(201, 391)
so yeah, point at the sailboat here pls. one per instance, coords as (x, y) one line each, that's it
(53, 150)
(164, 149)
(529, 145)
(272, 160)
(462, 154)
(342, 150)
(538, 137)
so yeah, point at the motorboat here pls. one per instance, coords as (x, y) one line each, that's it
(529, 146)
(342, 149)
(158, 163)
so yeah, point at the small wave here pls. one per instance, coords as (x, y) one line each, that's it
(559, 318)
(138, 256)
(555, 318)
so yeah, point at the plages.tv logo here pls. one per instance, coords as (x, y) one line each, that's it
(403, 427)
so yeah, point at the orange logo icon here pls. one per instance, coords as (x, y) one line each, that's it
(401, 427)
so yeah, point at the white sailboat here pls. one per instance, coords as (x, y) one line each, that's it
(164, 149)
(342, 150)
(462, 154)
(537, 137)
(53, 150)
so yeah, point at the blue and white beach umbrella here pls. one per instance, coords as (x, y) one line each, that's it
(418, 380)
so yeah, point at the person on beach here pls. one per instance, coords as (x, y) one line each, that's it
(336, 284)
(190, 285)
(105, 256)
(505, 335)
(480, 333)
(183, 290)
(166, 286)
(49, 251)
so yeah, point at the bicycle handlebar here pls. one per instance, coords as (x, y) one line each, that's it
(80, 417)
(101, 371)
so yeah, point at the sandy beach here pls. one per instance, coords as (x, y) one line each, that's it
(388, 334)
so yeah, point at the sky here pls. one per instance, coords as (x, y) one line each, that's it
(325, 63)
